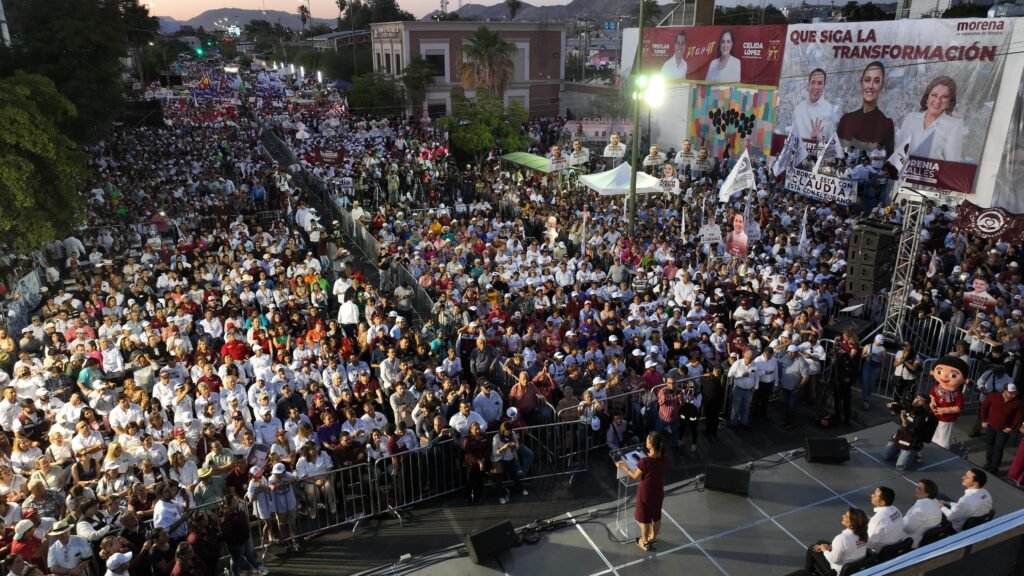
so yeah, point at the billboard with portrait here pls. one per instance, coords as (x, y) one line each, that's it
(926, 84)
(714, 55)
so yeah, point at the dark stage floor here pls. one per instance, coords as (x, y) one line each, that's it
(444, 522)
(790, 505)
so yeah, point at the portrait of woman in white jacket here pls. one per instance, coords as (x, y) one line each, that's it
(933, 132)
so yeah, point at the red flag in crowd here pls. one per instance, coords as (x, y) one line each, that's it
(990, 223)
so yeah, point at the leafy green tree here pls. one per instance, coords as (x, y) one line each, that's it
(652, 12)
(486, 125)
(361, 13)
(967, 10)
(334, 65)
(869, 12)
(376, 94)
(267, 36)
(513, 8)
(156, 58)
(317, 29)
(387, 11)
(79, 45)
(303, 15)
(341, 4)
(41, 169)
(487, 62)
(749, 14)
(772, 15)
(417, 77)
(140, 30)
(573, 68)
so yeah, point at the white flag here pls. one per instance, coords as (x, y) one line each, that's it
(831, 151)
(900, 156)
(793, 154)
(740, 178)
(801, 244)
(682, 232)
(934, 265)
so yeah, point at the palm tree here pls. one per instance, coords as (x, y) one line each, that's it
(652, 12)
(342, 4)
(487, 61)
(417, 77)
(513, 8)
(304, 15)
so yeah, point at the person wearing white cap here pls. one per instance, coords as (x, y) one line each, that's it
(794, 374)
(285, 505)
(874, 355)
(117, 564)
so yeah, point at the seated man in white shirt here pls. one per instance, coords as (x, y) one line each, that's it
(976, 501)
(925, 514)
(886, 526)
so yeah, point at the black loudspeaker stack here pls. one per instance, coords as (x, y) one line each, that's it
(724, 479)
(871, 258)
(827, 450)
(489, 541)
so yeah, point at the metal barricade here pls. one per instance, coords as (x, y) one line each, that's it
(415, 476)
(340, 497)
(559, 448)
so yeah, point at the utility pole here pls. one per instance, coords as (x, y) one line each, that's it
(637, 69)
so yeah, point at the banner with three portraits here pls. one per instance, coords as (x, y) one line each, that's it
(931, 84)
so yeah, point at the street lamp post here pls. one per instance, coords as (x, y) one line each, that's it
(645, 90)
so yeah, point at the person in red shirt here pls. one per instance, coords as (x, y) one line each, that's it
(652, 377)
(523, 396)
(1001, 414)
(27, 545)
(186, 562)
(234, 347)
(206, 543)
(947, 398)
(545, 382)
(476, 452)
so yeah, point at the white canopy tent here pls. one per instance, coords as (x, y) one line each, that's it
(615, 182)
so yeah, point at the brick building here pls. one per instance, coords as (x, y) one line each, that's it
(539, 61)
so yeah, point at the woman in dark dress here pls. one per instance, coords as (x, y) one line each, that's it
(650, 492)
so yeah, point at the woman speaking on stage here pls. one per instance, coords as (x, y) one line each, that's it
(650, 492)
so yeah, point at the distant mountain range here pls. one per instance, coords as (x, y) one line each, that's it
(242, 17)
(597, 9)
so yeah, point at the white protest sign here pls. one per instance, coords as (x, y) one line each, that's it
(827, 188)
(710, 234)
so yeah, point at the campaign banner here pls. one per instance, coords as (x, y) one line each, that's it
(932, 83)
(825, 188)
(714, 55)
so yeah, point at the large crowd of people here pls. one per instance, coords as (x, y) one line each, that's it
(195, 359)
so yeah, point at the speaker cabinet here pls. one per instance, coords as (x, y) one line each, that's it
(725, 479)
(827, 450)
(489, 541)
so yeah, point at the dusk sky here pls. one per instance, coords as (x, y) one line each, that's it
(186, 9)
